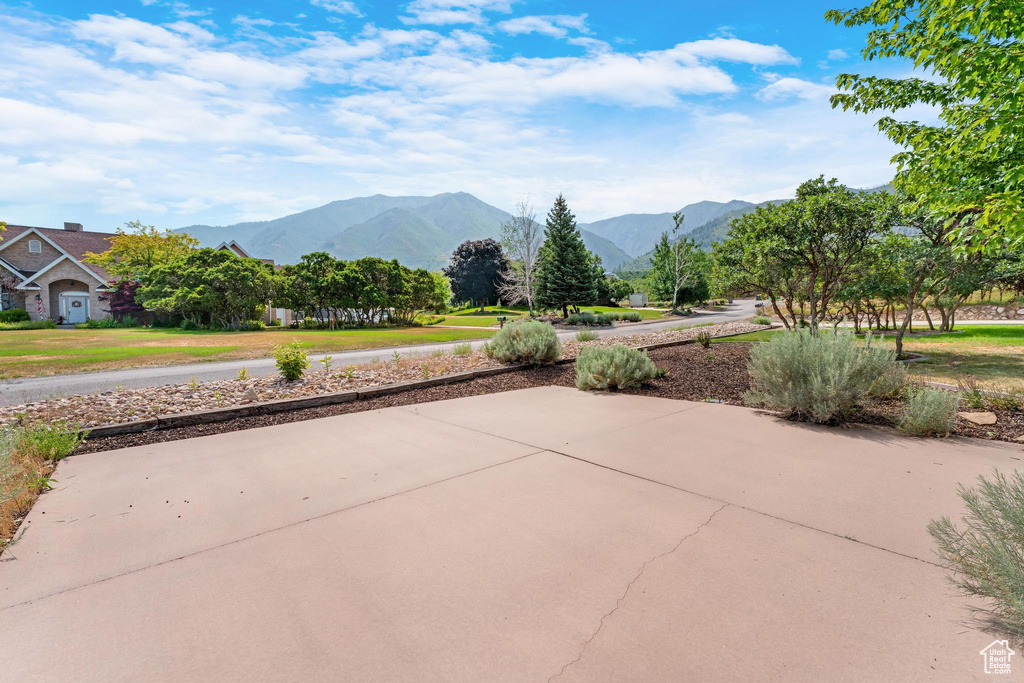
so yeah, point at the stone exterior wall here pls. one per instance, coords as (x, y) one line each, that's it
(1014, 311)
(66, 277)
(18, 255)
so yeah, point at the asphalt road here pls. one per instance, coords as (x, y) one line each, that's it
(18, 391)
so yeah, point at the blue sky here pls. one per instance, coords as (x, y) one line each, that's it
(178, 113)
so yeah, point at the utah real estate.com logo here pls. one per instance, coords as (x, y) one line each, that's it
(997, 657)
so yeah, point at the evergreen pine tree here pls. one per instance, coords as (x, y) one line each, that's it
(565, 276)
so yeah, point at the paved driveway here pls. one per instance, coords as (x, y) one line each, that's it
(531, 535)
(18, 391)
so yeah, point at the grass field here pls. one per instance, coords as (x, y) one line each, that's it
(994, 354)
(32, 353)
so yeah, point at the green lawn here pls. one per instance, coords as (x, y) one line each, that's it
(994, 354)
(30, 353)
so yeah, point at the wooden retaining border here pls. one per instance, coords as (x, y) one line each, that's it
(284, 405)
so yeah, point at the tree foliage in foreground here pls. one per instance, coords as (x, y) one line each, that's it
(968, 169)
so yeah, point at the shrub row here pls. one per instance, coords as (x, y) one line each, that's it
(14, 315)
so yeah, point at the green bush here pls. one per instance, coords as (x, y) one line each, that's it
(586, 335)
(930, 412)
(276, 322)
(613, 367)
(761, 320)
(630, 316)
(986, 556)
(54, 441)
(187, 324)
(291, 361)
(462, 349)
(525, 341)
(29, 325)
(14, 315)
(704, 339)
(251, 326)
(426, 320)
(815, 378)
(891, 383)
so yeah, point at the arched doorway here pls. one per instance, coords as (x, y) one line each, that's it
(69, 300)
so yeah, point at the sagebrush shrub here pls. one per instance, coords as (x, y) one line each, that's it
(586, 335)
(987, 556)
(613, 367)
(930, 412)
(291, 361)
(818, 378)
(525, 341)
(462, 349)
(891, 383)
(761, 320)
(589, 319)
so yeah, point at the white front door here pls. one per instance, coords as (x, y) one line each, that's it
(74, 307)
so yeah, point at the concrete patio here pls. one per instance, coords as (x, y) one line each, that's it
(531, 535)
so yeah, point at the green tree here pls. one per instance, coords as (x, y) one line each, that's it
(137, 248)
(677, 264)
(968, 169)
(476, 270)
(565, 275)
(210, 287)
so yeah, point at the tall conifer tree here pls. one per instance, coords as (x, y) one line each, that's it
(565, 277)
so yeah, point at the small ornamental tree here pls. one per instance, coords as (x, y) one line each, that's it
(476, 270)
(566, 274)
(121, 299)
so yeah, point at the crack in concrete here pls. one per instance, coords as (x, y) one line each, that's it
(629, 586)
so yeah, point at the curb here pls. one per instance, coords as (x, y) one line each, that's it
(178, 420)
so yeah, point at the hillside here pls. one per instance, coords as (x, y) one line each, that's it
(421, 232)
(636, 233)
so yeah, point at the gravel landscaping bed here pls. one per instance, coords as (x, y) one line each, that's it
(128, 405)
(694, 374)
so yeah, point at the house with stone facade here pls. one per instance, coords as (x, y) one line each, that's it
(41, 270)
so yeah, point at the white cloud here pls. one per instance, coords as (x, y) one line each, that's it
(556, 26)
(116, 118)
(339, 6)
(784, 88)
(442, 12)
(735, 50)
(837, 54)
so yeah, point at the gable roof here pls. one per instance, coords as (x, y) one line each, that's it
(235, 247)
(71, 243)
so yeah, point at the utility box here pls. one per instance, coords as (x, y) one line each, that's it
(638, 299)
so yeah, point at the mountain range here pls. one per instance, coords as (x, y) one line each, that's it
(422, 232)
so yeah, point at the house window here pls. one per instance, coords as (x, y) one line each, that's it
(6, 302)
(35, 246)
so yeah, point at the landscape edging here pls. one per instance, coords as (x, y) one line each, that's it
(283, 405)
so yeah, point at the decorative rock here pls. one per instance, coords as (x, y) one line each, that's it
(129, 405)
(982, 418)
